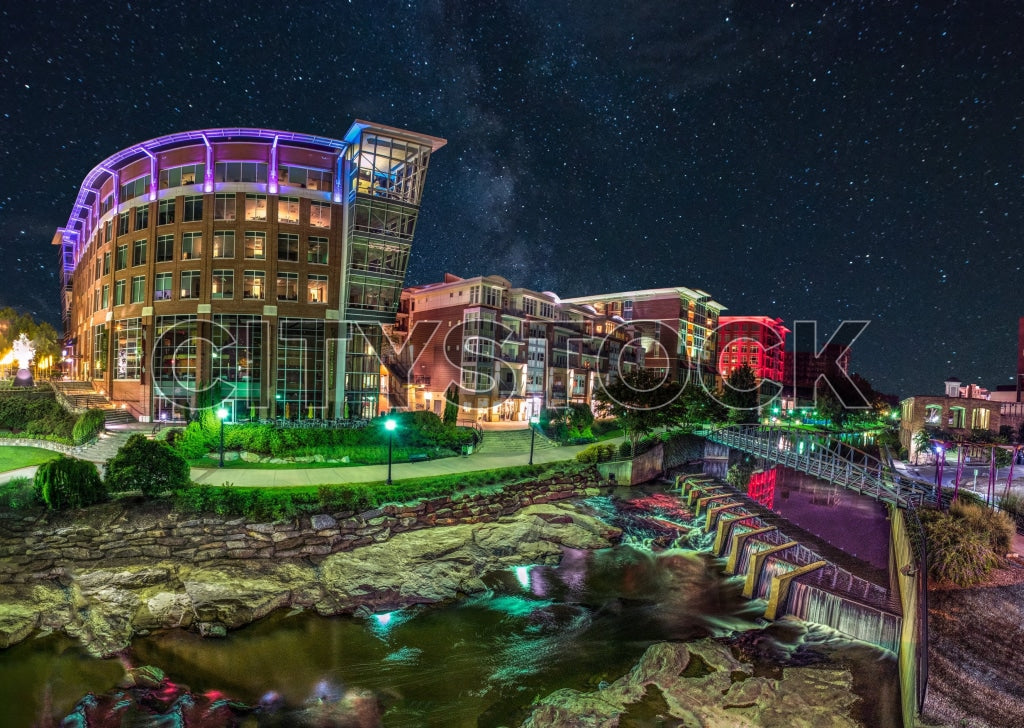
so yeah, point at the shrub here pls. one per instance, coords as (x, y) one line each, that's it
(999, 527)
(68, 483)
(597, 453)
(18, 494)
(192, 443)
(956, 552)
(88, 425)
(146, 465)
(625, 449)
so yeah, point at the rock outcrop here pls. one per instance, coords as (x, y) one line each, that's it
(702, 685)
(105, 604)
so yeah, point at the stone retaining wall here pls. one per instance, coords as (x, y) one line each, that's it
(42, 444)
(36, 548)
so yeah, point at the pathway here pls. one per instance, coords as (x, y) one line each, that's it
(490, 456)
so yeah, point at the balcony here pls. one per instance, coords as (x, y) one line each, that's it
(421, 380)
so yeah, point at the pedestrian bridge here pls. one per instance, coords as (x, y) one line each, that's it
(828, 458)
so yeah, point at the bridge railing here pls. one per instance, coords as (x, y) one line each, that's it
(827, 458)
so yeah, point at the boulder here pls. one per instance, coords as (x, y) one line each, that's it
(722, 692)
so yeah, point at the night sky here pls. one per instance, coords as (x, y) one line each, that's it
(802, 160)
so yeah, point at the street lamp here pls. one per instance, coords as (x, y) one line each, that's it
(389, 425)
(222, 415)
(534, 419)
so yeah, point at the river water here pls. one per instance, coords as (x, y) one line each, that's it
(478, 663)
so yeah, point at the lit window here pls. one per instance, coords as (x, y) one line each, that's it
(254, 284)
(191, 245)
(316, 288)
(224, 206)
(119, 289)
(288, 210)
(162, 289)
(223, 284)
(287, 286)
(189, 284)
(320, 214)
(256, 208)
(188, 174)
(255, 245)
(224, 244)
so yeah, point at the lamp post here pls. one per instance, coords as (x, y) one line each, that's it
(221, 415)
(534, 419)
(389, 425)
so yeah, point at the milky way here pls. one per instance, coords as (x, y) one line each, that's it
(809, 161)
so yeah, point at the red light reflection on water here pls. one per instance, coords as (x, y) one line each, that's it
(661, 504)
(762, 487)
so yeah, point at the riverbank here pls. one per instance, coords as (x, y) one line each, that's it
(105, 574)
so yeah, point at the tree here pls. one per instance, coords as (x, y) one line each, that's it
(146, 465)
(451, 405)
(46, 339)
(642, 400)
(68, 483)
(740, 394)
(922, 443)
(698, 406)
(829, 406)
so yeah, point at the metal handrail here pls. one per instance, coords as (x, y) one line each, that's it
(822, 456)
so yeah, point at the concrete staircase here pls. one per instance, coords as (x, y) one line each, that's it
(514, 442)
(82, 395)
(104, 446)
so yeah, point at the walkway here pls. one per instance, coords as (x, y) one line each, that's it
(827, 458)
(485, 459)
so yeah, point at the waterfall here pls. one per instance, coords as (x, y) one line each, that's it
(852, 618)
(773, 566)
(750, 547)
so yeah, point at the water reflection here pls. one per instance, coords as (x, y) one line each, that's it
(481, 662)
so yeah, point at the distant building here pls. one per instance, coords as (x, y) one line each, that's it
(954, 411)
(678, 327)
(757, 341)
(510, 351)
(803, 369)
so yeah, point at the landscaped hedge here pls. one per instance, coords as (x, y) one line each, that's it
(416, 432)
(36, 415)
(598, 453)
(276, 503)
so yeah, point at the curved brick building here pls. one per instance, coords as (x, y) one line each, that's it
(245, 266)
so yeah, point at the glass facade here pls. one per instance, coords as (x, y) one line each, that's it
(301, 363)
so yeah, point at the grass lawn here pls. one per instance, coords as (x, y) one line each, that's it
(12, 458)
